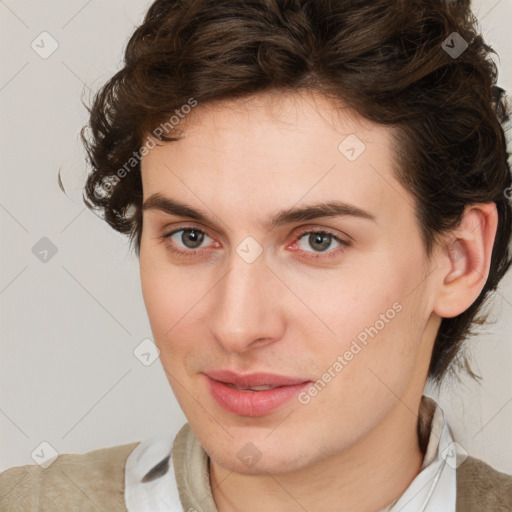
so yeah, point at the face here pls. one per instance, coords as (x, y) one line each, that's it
(326, 314)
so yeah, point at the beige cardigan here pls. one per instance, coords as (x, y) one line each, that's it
(95, 481)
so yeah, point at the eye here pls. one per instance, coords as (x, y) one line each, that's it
(320, 241)
(186, 241)
(191, 241)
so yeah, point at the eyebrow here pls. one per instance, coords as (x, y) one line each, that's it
(283, 217)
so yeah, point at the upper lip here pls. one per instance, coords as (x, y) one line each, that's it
(253, 379)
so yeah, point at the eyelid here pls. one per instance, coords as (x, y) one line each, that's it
(168, 230)
(303, 230)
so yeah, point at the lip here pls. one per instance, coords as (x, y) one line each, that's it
(253, 403)
(253, 379)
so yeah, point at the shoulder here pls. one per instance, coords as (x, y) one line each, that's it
(481, 487)
(90, 481)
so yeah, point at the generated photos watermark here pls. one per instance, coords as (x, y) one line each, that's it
(356, 347)
(105, 189)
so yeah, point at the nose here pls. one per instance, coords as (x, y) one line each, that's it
(247, 312)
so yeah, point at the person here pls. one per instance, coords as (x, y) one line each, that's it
(318, 194)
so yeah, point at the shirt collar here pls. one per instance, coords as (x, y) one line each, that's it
(434, 487)
(163, 474)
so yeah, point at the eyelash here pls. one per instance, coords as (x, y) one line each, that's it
(316, 256)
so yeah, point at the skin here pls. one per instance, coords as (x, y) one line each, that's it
(354, 445)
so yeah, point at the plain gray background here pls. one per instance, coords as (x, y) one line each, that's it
(70, 324)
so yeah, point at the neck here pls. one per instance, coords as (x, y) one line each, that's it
(365, 478)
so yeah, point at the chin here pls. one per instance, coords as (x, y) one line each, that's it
(262, 467)
(250, 460)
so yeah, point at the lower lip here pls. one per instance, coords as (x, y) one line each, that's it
(253, 403)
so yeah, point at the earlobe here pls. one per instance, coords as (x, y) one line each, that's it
(465, 260)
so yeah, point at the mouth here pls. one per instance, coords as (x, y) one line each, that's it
(256, 394)
(254, 388)
(254, 380)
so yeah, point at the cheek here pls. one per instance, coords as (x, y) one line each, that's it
(162, 291)
(377, 321)
(364, 303)
(364, 371)
(173, 297)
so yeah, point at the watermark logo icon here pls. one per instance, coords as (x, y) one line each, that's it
(44, 250)
(351, 147)
(249, 454)
(44, 45)
(454, 455)
(146, 352)
(454, 45)
(44, 454)
(249, 249)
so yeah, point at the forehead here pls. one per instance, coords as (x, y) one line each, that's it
(276, 150)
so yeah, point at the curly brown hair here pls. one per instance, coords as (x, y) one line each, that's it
(389, 60)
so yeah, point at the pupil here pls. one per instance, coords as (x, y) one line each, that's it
(323, 240)
(192, 238)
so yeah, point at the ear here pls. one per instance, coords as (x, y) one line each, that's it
(464, 260)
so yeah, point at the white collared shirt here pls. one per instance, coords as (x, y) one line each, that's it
(432, 490)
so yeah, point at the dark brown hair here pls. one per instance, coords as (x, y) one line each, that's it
(395, 62)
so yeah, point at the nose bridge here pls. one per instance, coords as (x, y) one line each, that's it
(244, 310)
